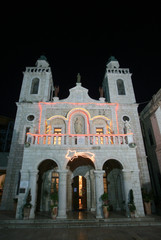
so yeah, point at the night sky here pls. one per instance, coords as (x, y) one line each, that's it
(80, 39)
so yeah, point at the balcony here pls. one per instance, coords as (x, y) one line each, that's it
(77, 140)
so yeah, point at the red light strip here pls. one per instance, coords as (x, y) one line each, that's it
(116, 109)
(40, 107)
(79, 104)
(84, 114)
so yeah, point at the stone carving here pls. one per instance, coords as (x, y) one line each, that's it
(127, 127)
(56, 91)
(78, 78)
(101, 91)
(78, 126)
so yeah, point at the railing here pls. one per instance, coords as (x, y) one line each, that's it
(119, 70)
(83, 139)
(38, 69)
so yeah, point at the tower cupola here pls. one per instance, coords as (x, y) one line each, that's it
(112, 63)
(42, 62)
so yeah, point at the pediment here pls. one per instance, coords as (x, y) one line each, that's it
(78, 94)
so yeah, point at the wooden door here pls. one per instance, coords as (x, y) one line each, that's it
(76, 193)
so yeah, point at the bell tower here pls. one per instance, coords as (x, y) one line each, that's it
(117, 83)
(37, 83)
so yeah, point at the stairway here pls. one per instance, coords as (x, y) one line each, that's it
(87, 220)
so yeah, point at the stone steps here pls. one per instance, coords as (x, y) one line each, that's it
(67, 223)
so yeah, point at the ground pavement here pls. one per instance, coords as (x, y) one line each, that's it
(110, 233)
(91, 229)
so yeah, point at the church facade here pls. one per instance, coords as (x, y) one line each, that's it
(84, 146)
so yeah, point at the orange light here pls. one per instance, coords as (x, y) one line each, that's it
(103, 135)
(84, 111)
(40, 107)
(116, 109)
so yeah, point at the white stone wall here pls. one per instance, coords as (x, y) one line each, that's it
(33, 156)
(27, 160)
(45, 85)
(130, 110)
(129, 97)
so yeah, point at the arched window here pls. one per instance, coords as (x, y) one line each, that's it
(120, 87)
(35, 86)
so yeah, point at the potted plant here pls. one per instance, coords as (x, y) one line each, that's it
(147, 199)
(131, 204)
(27, 206)
(105, 205)
(54, 202)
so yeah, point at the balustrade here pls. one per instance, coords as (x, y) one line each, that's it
(83, 139)
(37, 69)
(119, 70)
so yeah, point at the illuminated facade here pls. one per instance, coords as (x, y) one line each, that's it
(83, 145)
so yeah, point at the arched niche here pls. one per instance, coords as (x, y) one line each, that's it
(56, 122)
(103, 123)
(78, 122)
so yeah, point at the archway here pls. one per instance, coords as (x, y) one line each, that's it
(80, 184)
(47, 176)
(113, 184)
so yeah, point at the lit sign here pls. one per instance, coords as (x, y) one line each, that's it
(73, 154)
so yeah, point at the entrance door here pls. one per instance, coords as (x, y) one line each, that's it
(79, 193)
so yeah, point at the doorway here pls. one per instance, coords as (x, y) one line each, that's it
(46, 179)
(80, 184)
(113, 184)
(79, 193)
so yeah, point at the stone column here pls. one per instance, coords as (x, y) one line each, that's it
(24, 184)
(88, 188)
(99, 191)
(127, 186)
(92, 187)
(62, 194)
(33, 187)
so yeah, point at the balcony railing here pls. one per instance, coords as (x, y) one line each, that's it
(83, 139)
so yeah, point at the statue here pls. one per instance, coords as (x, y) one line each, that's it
(101, 91)
(78, 78)
(78, 126)
(127, 127)
(56, 91)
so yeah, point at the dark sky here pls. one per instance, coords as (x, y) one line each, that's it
(80, 39)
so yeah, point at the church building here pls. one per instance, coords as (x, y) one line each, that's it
(83, 146)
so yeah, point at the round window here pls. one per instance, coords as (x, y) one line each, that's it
(126, 118)
(30, 117)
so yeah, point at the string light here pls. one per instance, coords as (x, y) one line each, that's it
(82, 110)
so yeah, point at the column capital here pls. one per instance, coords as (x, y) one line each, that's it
(99, 172)
(33, 172)
(130, 170)
(62, 171)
